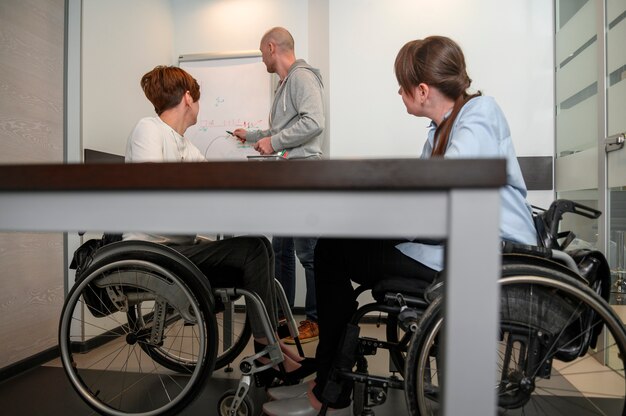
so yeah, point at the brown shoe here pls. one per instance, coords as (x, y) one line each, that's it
(308, 331)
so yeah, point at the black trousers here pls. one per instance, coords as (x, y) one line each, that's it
(337, 263)
(245, 262)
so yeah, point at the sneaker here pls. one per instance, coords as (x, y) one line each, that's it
(308, 331)
(288, 392)
(300, 406)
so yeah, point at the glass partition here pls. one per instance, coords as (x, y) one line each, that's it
(576, 80)
(616, 160)
(590, 79)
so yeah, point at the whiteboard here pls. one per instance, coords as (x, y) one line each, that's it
(235, 91)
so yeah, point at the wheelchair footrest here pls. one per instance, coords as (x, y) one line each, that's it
(370, 346)
(371, 380)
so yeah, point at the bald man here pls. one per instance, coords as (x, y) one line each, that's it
(296, 129)
(297, 113)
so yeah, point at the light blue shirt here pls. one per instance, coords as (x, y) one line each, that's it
(481, 131)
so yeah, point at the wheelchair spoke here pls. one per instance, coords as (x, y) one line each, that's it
(125, 361)
(546, 365)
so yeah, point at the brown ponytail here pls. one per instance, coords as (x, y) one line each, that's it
(442, 134)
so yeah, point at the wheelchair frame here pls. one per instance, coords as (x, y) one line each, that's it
(419, 315)
(537, 367)
(413, 323)
(114, 282)
(421, 321)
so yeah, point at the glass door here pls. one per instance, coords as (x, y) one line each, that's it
(577, 103)
(590, 160)
(615, 78)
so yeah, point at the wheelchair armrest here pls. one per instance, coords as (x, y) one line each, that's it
(562, 257)
(434, 290)
(547, 222)
(561, 206)
(509, 247)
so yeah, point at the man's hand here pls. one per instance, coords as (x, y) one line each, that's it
(264, 146)
(240, 134)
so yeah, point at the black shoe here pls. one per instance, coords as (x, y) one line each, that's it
(272, 377)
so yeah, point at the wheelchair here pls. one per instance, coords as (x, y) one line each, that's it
(556, 334)
(153, 320)
(549, 346)
(142, 330)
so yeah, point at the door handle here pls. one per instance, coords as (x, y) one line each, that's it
(614, 142)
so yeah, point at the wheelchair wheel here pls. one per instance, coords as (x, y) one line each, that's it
(124, 325)
(551, 352)
(246, 408)
(167, 353)
(233, 334)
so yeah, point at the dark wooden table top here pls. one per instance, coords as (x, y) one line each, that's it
(362, 174)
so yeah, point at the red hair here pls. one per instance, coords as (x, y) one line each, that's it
(165, 86)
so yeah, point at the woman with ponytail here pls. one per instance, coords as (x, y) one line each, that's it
(433, 84)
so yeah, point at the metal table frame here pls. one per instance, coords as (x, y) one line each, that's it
(456, 200)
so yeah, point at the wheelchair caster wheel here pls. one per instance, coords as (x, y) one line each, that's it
(246, 408)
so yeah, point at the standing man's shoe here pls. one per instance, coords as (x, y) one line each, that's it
(308, 332)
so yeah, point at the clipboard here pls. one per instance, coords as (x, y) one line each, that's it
(265, 157)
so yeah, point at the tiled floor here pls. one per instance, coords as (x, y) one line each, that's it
(47, 391)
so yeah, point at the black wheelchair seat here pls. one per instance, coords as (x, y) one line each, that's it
(409, 288)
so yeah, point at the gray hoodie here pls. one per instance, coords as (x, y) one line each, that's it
(297, 114)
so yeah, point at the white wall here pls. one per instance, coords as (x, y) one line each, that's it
(122, 40)
(319, 54)
(508, 48)
(235, 25)
(509, 53)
